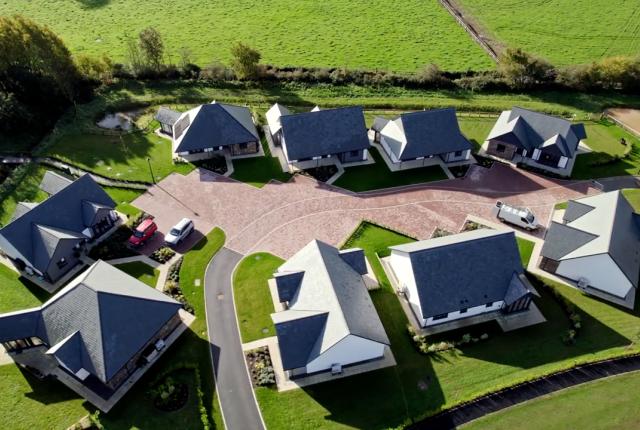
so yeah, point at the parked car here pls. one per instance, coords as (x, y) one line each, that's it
(143, 232)
(179, 232)
(521, 217)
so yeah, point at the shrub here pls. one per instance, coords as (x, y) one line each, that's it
(261, 367)
(115, 246)
(575, 319)
(163, 254)
(173, 274)
(245, 61)
(135, 220)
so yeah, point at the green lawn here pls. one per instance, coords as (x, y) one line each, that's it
(392, 397)
(304, 33)
(141, 271)
(252, 297)
(123, 198)
(120, 157)
(606, 404)
(18, 293)
(603, 138)
(633, 196)
(377, 176)
(606, 27)
(526, 248)
(259, 170)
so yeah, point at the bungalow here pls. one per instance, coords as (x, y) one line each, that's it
(534, 139)
(215, 128)
(461, 277)
(596, 244)
(319, 137)
(95, 334)
(412, 139)
(329, 320)
(46, 239)
(167, 119)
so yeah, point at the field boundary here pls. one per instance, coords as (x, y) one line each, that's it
(469, 27)
(526, 391)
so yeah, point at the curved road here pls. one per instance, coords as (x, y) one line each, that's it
(235, 393)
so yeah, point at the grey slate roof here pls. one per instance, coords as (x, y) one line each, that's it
(98, 322)
(217, 125)
(428, 133)
(53, 182)
(37, 233)
(463, 270)
(167, 116)
(601, 224)
(562, 239)
(533, 130)
(324, 132)
(379, 123)
(22, 208)
(330, 287)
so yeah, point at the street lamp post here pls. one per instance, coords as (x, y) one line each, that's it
(153, 179)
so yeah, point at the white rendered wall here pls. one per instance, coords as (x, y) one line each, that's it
(601, 272)
(401, 266)
(351, 349)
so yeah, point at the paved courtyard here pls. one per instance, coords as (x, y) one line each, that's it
(282, 217)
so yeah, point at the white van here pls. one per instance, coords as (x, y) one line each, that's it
(522, 217)
(179, 232)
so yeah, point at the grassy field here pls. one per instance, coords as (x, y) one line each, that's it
(251, 295)
(606, 404)
(18, 293)
(355, 34)
(377, 176)
(564, 32)
(141, 271)
(392, 397)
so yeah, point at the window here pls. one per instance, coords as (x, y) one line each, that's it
(463, 310)
(243, 146)
(500, 147)
(440, 317)
(354, 153)
(457, 153)
(489, 304)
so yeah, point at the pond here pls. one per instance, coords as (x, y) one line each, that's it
(124, 121)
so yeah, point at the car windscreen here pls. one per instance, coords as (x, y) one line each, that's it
(174, 232)
(530, 217)
(137, 233)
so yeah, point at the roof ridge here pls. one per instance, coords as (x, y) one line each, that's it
(233, 117)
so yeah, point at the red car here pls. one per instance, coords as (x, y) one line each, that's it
(143, 232)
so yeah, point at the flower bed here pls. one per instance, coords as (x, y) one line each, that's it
(322, 173)
(260, 367)
(162, 254)
(420, 340)
(470, 226)
(440, 232)
(169, 395)
(575, 320)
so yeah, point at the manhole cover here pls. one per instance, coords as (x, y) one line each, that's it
(265, 330)
(220, 296)
(197, 282)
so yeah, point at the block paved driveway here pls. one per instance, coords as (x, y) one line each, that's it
(282, 217)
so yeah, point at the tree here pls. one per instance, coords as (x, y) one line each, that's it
(151, 47)
(98, 69)
(245, 61)
(35, 49)
(522, 70)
